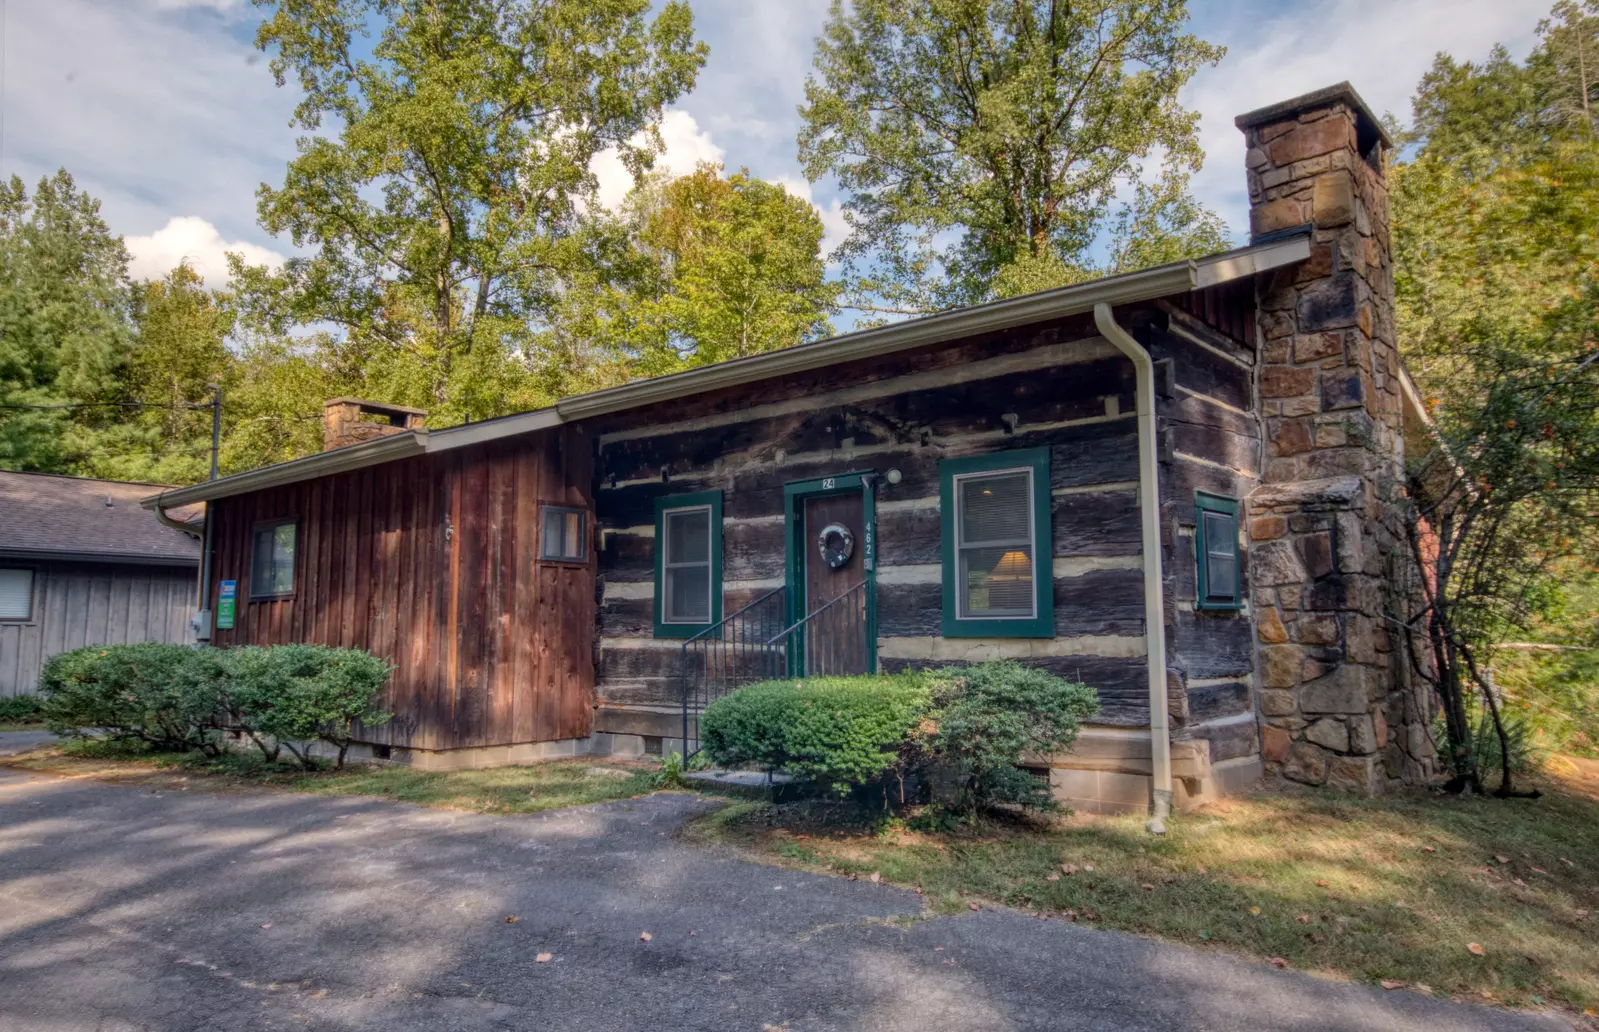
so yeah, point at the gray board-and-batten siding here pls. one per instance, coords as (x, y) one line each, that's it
(1056, 386)
(93, 603)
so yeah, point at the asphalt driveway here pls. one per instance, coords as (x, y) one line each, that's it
(126, 909)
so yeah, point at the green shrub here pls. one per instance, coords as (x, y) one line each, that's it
(838, 732)
(21, 709)
(164, 695)
(297, 694)
(984, 718)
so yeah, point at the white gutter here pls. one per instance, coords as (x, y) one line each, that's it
(1154, 592)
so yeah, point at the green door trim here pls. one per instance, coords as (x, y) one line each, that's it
(794, 495)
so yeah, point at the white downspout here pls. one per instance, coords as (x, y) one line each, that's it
(1154, 592)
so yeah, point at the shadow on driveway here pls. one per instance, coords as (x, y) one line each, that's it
(124, 908)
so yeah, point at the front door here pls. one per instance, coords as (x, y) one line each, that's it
(834, 541)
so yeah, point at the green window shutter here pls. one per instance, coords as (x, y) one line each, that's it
(1220, 579)
(688, 564)
(998, 550)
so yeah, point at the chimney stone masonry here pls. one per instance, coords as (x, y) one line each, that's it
(1338, 704)
(347, 421)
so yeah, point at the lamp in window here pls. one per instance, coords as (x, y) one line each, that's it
(1010, 582)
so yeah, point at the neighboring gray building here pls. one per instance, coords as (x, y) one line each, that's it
(82, 564)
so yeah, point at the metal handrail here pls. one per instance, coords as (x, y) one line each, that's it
(829, 640)
(813, 614)
(730, 653)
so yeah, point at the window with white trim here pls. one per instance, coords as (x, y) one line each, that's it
(16, 595)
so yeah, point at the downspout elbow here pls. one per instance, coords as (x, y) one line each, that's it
(1154, 585)
(168, 521)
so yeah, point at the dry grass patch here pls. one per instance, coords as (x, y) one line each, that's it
(1390, 890)
(550, 785)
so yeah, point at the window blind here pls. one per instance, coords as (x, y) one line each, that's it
(995, 544)
(16, 594)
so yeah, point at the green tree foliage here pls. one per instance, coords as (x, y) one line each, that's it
(1496, 253)
(711, 268)
(448, 204)
(981, 144)
(65, 322)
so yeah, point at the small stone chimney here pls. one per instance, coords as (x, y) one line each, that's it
(1338, 703)
(347, 421)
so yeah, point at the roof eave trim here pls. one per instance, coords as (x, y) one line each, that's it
(87, 556)
(340, 460)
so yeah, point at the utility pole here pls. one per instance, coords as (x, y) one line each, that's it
(216, 425)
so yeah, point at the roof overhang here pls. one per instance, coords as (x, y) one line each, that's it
(1129, 288)
(98, 556)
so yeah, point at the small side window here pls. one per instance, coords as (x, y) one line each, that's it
(272, 560)
(16, 595)
(1216, 551)
(564, 534)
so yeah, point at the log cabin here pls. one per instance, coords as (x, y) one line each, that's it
(1174, 485)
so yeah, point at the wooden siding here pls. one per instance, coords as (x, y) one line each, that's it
(77, 604)
(432, 563)
(1210, 440)
(1056, 385)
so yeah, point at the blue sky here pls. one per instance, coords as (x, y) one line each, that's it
(164, 110)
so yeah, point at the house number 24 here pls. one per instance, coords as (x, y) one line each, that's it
(829, 483)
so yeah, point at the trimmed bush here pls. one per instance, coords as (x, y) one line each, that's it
(984, 718)
(163, 695)
(838, 732)
(21, 709)
(294, 695)
(182, 697)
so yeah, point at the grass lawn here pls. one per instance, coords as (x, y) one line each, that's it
(530, 789)
(1398, 890)
(16, 726)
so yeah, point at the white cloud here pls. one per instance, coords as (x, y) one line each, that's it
(686, 146)
(835, 228)
(1382, 48)
(191, 238)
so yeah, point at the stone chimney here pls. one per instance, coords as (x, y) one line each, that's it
(347, 421)
(1338, 703)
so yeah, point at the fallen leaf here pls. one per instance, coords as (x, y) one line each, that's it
(1321, 883)
(1475, 949)
(510, 919)
(1070, 915)
(1540, 870)
(1255, 911)
(1429, 849)
(974, 905)
(1568, 863)
(267, 925)
(544, 958)
(645, 936)
(1147, 887)
(1279, 962)
(1088, 867)
(1389, 983)
(1303, 919)
(1423, 987)
(1502, 859)
(1053, 877)
(1518, 881)
(874, 877)
(1069, 868)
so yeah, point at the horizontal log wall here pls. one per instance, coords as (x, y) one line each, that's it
(1058, 386)
(432, 563)
(1210, 440)
(77, 604)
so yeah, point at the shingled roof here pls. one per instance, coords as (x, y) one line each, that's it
(44, 516)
